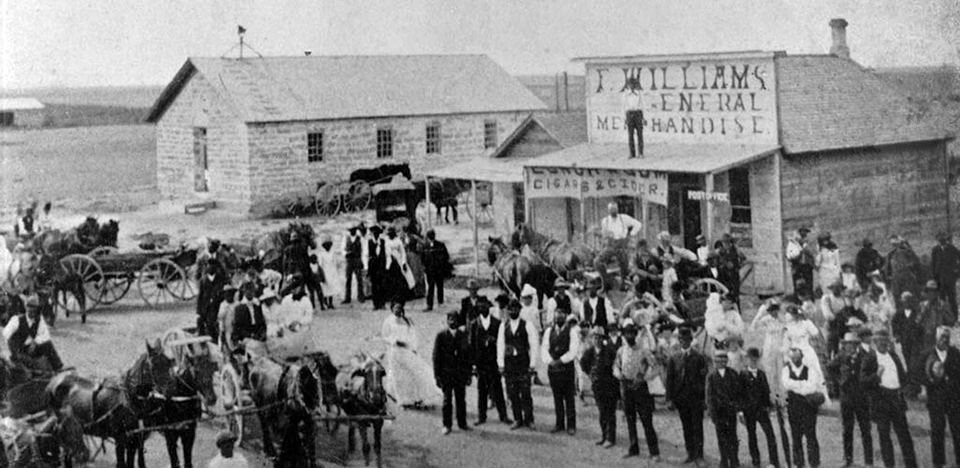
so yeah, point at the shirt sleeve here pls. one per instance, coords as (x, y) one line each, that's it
(501, 346)
(532, 338)
(618, 365)
(43, 333)
(787, 383)
(545, 346)
(574, 350)
(632, 224)
(11, 328)
(825, 308)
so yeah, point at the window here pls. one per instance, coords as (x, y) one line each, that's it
(384, 142)
(315, 147)
(739, 195)
(6, 119)
(489, 134)
(433, 138)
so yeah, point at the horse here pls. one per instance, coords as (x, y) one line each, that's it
(321, 365)
(286, 396)
(193, 376)
(54, 283)
(563, 257)
(362, 394)
(381, 174)
(512, 269)
(443, 195)
(114, 407)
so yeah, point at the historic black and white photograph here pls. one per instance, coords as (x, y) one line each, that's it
(488, 233)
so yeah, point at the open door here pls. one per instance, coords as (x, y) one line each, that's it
(201, 173)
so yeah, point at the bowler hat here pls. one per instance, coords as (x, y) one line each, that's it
(882, 334)
(931, 285)
(753, 353)
(514, 305)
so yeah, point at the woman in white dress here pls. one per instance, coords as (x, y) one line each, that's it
(828, 262)
(770, 321)
(6, 258)
(329, 263)
(797, 333)
(409, 378)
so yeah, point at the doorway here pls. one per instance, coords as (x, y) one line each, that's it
(201, 175)
(683, 214)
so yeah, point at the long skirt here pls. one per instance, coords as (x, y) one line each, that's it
(410, 378)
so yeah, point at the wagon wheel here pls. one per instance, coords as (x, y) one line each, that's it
(465, 203)
(226, 384)
(102, 251)
(192, 286)
(161, 282)
(358, 196)
(90, 274)
(709, 285)
(484, 213)
(114, 287)
(327, 200)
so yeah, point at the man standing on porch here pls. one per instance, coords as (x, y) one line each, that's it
(616, 230)
(633, 110)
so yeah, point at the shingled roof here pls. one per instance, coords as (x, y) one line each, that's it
(829, 103)
(277, 89)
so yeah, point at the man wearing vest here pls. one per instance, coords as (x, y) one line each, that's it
(561, 345)
(634, 366)
(483, 333)
(598, 311)
(29, 339)
(943, 387)
(474, 304)
(885, 377)
(800, 382)
(724, 401)
(686, 390)
(353, 251)
(516, 357)
(845, 368)
(616, 230)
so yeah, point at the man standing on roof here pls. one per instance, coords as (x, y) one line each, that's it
(633, 108)
(616, 230)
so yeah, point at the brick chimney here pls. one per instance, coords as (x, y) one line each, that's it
(839, 46)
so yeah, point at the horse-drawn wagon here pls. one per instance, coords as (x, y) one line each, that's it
(355, 193)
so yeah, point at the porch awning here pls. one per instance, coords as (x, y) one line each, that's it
(661, 157)
(484, 170)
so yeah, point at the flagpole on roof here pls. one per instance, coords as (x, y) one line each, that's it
(240, 32)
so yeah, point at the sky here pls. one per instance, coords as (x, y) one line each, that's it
(73, 43)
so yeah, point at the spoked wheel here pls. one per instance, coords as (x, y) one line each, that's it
(191, 285)
(226, 384)
(102, 251)
(161, 282)
(358, 196)
(114, 287)
(88, 272)
(327, 200)
(465, 203)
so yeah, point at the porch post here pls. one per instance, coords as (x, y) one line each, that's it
(427, 206)
(476, 235)
(708, 187)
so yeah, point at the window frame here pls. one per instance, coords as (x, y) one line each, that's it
(384, 145)
(740, 213)
(436, 141)
(315, 153)
(490, 138)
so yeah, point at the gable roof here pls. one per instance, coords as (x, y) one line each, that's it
(563, 130)
(828, 102)
(12, 104)
(276, 89)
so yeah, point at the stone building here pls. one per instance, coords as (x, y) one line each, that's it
(757, 144)
(249, 132)
(21, 112)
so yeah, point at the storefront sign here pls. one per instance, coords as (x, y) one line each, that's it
(722, 100)
(700, 195)
(555, 182)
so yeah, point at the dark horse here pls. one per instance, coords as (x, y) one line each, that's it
(563, 257)
(113, 408)
(362, 394)
(193, 377)
(287, 396)
(80, 240)
(53, 283)
(512, 269)
(443, 195)
(381, 174)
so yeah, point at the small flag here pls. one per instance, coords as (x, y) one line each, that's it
(241, 29)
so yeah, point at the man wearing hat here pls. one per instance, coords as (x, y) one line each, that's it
(801, 258)
(376, 264)
(907, 325)
(208, 297)
(731, 258)
(597, 361)
(634, 367)
(597, 308)
(934, 312)
(353, 246)
(561, 298)
(616, 230)
(483, 333)
(529, 310)
(227, 458)
(248, 320)
(686, 382)
(943, 388)
(885, 377)
(902, 268)
(868, 259)
(451, 368)
(756, 408)
(472, 305)
(28, 339)
(436, 266)
(838, 325)
(724, 400)
(845, 370)
(945, 269)
(559, 348)
(801, 384)
(517, 343)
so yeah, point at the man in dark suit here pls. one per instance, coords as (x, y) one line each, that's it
(884, 376)
(845, 369)
(756, 408)
(483, 344)
(868, 260)
(597, 361)
(908, 331)
(451, 368)
(376, 265)
(436, 266)
(559, 348)
(353, 253)
(248, 321)
(943, 389)
(945, 269)
(686, 382)
(473, 304)
(724, 393)
(208, 298)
